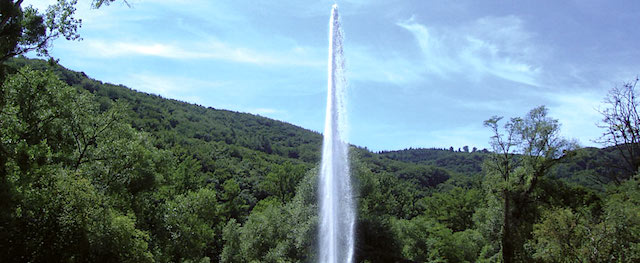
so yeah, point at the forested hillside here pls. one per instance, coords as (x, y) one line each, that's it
(590, 167)
(172, 120)
(99, 172)
(167, 148)
(96, 172)
(461, 161)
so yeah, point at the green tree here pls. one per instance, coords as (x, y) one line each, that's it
(100, 3)
(423, 239)
(453, 208)
(565, 235)
(282, 180)
(192, 223)
(559, 236)
(25, 29)
(62, 157)
(232, 251)
(118, 240)
(233, 205)
(524, 151)
(276, 232)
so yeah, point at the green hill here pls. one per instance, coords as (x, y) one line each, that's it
(92, 171)
(461, 162)
(176, 124)
(170, 119)
(149, 153)
(591, 167)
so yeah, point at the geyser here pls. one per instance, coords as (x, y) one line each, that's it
(337, 215)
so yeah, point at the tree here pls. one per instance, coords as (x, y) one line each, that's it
(621, 121)
(119, 240)
(25, 29)
(283, 179)
(35, 108)
(55, 205)
(276, 232)
(453, 208)
(565, 235)
(233, 205)
(232, 251)
(524, 151)
(99, 3)
(191, 221)
(422, 239)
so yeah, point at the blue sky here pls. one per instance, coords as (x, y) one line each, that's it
(421, 73)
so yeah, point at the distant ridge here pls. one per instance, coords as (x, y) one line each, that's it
(461, 162)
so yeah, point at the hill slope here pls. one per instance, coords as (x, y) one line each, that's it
(180, 124)
(96, 171)
(462, 162)
(172, 119)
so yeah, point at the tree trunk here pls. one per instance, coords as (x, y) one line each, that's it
(507, 248)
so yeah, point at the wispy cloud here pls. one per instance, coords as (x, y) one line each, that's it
(578, 114)
(194, 90)
(494, 46)
(181, 88)
(367, 65)
(211, 50)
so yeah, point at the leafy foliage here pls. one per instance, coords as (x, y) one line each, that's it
(26, 29)
(566, 235)
(461, 162)
(98, 172)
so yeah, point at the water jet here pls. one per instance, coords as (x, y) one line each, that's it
(337, 213)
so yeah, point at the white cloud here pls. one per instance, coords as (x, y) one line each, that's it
(495, 106)
(436, 55)
(181, 88)
(578, 114)
(494, 46)
(367, 65)
(210, 50)
(195, 91)
(118, 30)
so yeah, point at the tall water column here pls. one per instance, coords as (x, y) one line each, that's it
(337, 215)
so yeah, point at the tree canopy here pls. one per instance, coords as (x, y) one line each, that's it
(92, 171)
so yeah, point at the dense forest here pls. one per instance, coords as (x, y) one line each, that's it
(96, 172)
(100, 172)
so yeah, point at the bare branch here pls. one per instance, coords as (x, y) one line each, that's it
(621, 122)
